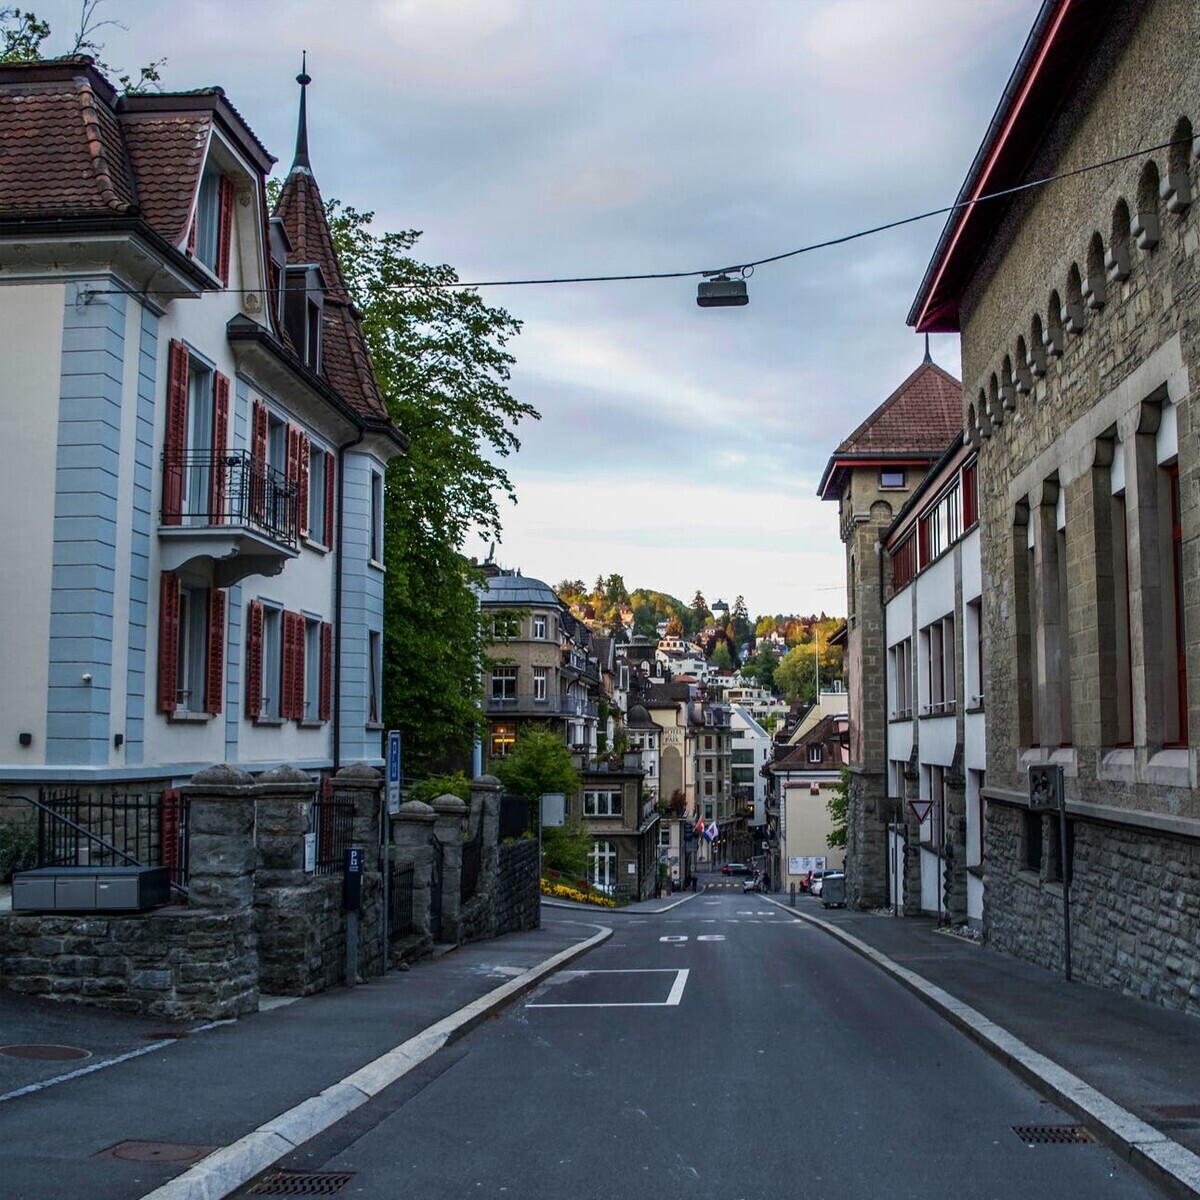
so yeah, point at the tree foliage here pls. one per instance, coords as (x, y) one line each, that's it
(838, 807)
(441, 360)
(539, 763)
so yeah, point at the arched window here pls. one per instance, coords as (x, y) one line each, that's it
(1145, 226)
(983, 423)
(1095, 289)
(603, 859)
(1176, 189)
(1116, 258)
(972, 430)
(1072, 311)
(1052, 335)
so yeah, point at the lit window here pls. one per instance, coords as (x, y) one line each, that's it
(503, 739)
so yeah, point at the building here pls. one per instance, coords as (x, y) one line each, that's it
(936, 741)
(751, 751)
(622, 818)
(871, 476)
(1077, 306)
(195, 447)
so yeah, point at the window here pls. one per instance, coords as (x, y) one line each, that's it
(312, 669)
(970, 494)
(815, 753)
(900, 667)
(540, 678)
(539, 627)
(708, 787)
(312, 344)
(318, 492)
(376, 517)
(941, 525)
(504, 737)
(973, 653)
(937, 648)
(975, 818)
(271, 678)
(1062, 604)
(193, 614)
(504, 683)
(1031, 841)
(904, 562)
(1123, 681)
(375, 682)
(197, 422)
(708, 737)
(602, 803)
(505, 626)
(603, 860)
(933, 830)
(206, 229)
(893, 478)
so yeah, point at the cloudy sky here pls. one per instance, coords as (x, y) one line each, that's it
(678, 446)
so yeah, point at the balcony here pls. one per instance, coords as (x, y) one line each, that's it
(535, 706)
(577, 666)
(226, 515)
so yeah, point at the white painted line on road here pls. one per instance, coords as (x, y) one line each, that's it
(674, 937)
(232, 1166)
(673, 996)
(711, 937)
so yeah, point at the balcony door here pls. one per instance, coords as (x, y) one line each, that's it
(197, 478)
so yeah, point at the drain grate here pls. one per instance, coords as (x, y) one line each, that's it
(1054, 1135)
(303, 1183)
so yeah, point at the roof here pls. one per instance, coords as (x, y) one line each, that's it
(1059, 45)
(517, 591)
(826, 731)
(914, 424)
(639, 718)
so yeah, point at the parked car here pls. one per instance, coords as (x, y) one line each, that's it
(752, 883)
(818, 881)
(737, 869)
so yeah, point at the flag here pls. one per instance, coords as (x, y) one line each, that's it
(699, 826)
(711, 832)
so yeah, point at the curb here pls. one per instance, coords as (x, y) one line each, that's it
(1165, 1163)
(235, 1165)
(608, 912)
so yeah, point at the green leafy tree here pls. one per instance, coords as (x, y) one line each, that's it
(539, 763)
(428, 790)
(794, 675)
(721, 658)
(567, 849)
(739, 621)
(761, 666)
(441, 360)
(21, 35)
(765, 626)
(838, 807)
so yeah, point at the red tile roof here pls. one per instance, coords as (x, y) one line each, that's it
(167, 154)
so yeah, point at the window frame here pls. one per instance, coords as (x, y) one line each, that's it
(594, 807)
(500, 675)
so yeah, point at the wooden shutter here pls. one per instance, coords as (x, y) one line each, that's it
(259, 429)
(168, 642)
(291, 668)
(330, 472)
(299, 642)
(175, 441)
(214, 667)
(220, 440)
(225, 229)
(169, 837)
(254, 659)
(326, 699)
(293, 463)
(302, 483)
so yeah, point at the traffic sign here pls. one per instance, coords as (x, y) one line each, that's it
(921, 809)
(393, 772)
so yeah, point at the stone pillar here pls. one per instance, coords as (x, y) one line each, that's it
(954, 860)
(412, 829)
(486, 791)
(364, 786)
(449, 815)
(912, 841)
(221, 857)
(284, 805)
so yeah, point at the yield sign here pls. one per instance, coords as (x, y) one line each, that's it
(921, 809)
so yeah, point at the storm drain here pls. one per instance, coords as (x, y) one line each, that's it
(302, 1183)
(1053, 1135)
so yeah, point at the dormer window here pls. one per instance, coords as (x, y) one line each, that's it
(303, 305)
(212, 228)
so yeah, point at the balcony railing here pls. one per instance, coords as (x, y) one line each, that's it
(222, 488)
(549, 706)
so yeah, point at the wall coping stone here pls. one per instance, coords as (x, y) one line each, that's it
(487, 781)
(416, 810)
(450, 806)
(1136, 818)
(359, 773)
(222, 775)
(285, 774)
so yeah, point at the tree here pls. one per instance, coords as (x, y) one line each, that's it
(440, 358)
(794, 675)
(838, 807)
(539, 763)
(674, 627)
(765, 626)
(761, 665)
(567, 849)
(739, 621)
(721, 658)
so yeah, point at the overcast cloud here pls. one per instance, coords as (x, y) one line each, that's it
(678, 446)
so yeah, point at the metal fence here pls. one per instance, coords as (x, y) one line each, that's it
(109, 829)
(333, 823)
(472, 860)
(400, 901)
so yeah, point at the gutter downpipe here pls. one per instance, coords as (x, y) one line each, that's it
(892, 875)
(337, 600)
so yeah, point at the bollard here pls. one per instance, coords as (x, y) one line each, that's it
(793, 890)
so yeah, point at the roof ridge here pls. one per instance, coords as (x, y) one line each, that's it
(897, 395)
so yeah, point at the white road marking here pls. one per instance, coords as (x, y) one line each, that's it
(673, 996)
(711, 937)
(674, 937)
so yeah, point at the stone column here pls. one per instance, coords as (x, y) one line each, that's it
(954, 861)
(486, 791)
(449, 814)
(363, 785)
(912, 841)
(412, 828)
(283, 807)
(221, 856)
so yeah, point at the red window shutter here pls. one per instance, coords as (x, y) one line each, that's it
(298, 669)
(293, 460)
(302, 484)
(220, 439)
(169, 836)
(168, 642)
(225, 229)
(254, 659)
(326, 700)
(330, 470)
(258, 454)
(175, 441)
(214, 668)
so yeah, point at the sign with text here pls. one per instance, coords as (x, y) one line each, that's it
(393, 772)
(803, 863)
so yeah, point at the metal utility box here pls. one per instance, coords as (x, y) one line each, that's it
(833, 891)
(90, 889)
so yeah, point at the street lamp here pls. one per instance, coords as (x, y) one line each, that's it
(719, 291)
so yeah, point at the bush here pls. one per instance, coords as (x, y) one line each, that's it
(18, 850)
(428, 790)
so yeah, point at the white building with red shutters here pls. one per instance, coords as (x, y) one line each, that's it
(195, 447)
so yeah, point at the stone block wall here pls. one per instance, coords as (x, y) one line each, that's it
(174, 963)
(1135, 907)
(518, 898)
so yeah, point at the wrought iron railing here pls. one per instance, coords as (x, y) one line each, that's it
(229, 487)
(400, 901)
(333, 823)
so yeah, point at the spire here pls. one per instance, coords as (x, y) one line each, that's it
(928, 358)
(300, 162)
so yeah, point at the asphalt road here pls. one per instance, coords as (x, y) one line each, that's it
(720, 1050)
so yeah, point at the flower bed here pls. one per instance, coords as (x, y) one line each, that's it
(564, 891)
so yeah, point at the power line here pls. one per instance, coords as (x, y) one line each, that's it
(406, 284)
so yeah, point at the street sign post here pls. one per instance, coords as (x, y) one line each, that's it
(393, 772)
(393, 807)
(921, 809)
(552, 812)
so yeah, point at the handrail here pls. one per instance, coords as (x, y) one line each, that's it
(95, 837)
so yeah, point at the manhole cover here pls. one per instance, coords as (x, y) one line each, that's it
(60, 1053)
(179, 1153)
(1055, 1135)
(302, 1183)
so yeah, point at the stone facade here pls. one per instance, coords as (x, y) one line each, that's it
(1080, 335)
(518, 901)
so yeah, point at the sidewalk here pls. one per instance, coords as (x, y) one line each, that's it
(1127, 1069)
(164, 1096)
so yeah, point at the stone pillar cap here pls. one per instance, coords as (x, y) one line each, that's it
(415, 810)
(487, 781)
(360, 773)
(223, 775)
(450, 804)
(286, 774)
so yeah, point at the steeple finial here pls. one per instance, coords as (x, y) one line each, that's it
(928, 357)
(300, 162)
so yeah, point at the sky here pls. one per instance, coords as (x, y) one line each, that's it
(679, 447)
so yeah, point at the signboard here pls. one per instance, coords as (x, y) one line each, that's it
(554, 810)
(631, 868)
(801, 864)
(1045, 786)
(921, 809)
(393, 772)
(310, 853)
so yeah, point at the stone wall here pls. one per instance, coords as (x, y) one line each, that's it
(1135, 907)
(174, 963)
(518, 899)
